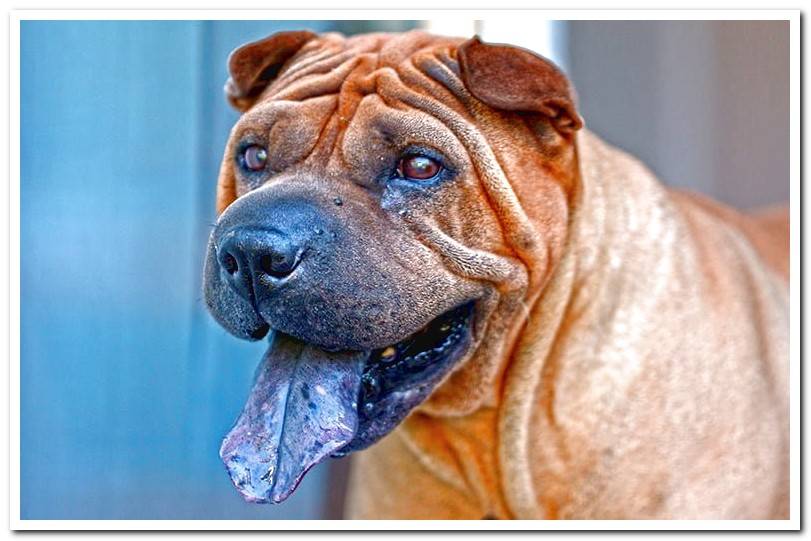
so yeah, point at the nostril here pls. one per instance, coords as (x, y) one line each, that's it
(230, 264)
(261, 332)
(267, 263)
(277, 265)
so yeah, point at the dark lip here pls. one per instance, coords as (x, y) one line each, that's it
(423, 342)
(263, 330)
(392, 387)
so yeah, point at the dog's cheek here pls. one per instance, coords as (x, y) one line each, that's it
(230, 310)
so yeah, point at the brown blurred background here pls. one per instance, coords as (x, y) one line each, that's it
(703, 103)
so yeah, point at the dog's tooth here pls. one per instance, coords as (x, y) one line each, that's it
(388, 354)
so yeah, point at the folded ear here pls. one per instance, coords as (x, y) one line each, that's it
(514, 79)
(253, 66)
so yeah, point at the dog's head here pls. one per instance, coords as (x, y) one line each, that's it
(389, 205)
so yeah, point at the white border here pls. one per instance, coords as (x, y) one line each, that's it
(14, 272)
(377, 525)
(795, 302)
(14, 276)
(403, 14)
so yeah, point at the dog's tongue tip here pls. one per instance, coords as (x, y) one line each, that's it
(302, 408)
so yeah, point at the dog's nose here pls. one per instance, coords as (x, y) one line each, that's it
(256, 259)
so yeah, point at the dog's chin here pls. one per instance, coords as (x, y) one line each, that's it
(309, 402)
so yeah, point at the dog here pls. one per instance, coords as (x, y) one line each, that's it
(496, 313)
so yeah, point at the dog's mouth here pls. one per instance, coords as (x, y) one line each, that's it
(308, 403)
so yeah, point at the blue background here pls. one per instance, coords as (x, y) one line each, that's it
(127, 384)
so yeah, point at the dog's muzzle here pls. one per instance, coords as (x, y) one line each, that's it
(357, 334)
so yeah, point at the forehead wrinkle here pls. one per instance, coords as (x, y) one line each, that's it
(394, 91)
(312, 56)
(411, 75)
(398, 125)
(325, 69)
(328, 62)
(399, 47)
(342, 70)
(313, 51)
(329, 52)
(318, 62)
(338, 52)
(516, 225)
(320, 84)
(353, 88)
(323, 148)
(448, 77)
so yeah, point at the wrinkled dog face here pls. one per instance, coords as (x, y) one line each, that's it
(357, 232)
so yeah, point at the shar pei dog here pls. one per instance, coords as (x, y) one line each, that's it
(496, 313)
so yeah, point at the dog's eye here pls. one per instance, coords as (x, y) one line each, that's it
(418, 168)
(254, 157)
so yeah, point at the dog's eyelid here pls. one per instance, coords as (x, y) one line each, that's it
(448, 166)
(424, 150)
(249, 139)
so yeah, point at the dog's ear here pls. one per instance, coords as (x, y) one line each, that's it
(253, 66)
(513, 79)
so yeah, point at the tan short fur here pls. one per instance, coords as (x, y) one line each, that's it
(634, 356)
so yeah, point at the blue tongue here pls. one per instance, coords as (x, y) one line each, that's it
(302, 408)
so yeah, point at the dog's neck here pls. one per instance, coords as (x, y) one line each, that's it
(622, 219)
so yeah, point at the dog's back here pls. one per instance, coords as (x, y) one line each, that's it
(767, 232)
(767, 229)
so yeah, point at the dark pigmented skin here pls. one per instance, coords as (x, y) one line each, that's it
(362, 283)
(350, 296)
(392, 388)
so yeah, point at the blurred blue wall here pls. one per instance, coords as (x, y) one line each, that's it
(127, 385)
